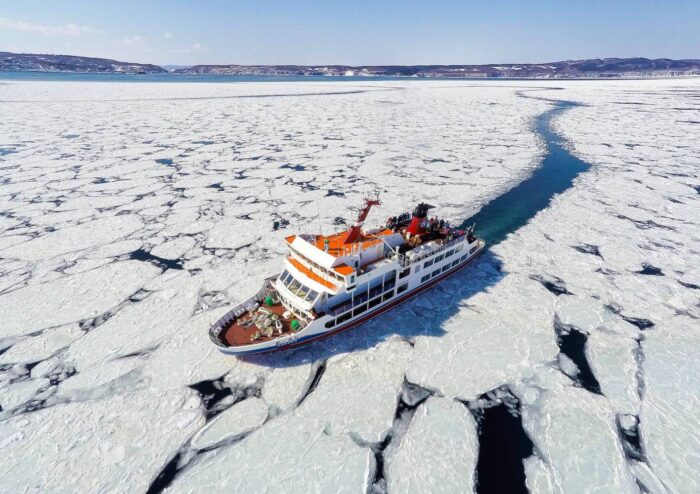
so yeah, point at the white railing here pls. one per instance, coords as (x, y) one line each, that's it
(225, 321)
(405, 261)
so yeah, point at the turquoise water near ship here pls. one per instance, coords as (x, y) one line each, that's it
(513, 209)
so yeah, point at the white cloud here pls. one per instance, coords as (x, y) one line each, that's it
(133, 40)
(168, 35)
(74, 30)
(194, 48)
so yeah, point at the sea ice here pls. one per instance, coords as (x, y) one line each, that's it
(438, 451)
(106, 445)
(134, 214)
(241, 418)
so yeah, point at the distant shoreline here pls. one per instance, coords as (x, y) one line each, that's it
(76, 76)
(590, 69)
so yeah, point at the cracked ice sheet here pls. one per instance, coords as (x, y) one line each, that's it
(182, 167)
(283, 456)
(70, 298)
(636, 205)
(243, 417)
(438, 453)
(669, 413)
(574, 432)
(641, 207)
(367, 383)
(111, 445)
(486, 343)
(613, 360)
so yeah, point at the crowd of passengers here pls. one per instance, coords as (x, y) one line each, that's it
(431, 225)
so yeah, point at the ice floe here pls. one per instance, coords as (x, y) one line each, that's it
(437, 452)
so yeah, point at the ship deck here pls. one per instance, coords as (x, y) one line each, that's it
(337, 247)
(242, 330)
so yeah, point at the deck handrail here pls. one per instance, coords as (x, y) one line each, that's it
(405, 261)
(230, 315)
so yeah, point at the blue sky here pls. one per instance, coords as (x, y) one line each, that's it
(352, 32)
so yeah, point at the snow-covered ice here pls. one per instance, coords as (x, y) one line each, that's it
(133, 214)
(437, 452)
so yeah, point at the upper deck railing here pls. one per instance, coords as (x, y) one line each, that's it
(406, 261)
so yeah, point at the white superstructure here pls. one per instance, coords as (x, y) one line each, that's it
(332, 283)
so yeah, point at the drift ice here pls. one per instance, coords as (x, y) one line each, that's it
(333, 283)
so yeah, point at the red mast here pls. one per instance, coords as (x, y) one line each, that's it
(356, 231)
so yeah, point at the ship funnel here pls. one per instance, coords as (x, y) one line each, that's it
(419, 216)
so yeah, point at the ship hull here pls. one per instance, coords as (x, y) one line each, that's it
(300, 340)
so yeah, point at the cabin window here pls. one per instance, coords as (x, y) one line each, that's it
(417, 268)
(405, 273)
(425, 278)
(375, 302)
(339, 309)
(455, 262)
(435, 273)
(330, 323)
(428, 263)
(344, 317)
(341, 303)
(402, 288)
(388, 295)
(440, 258)
(359, 310)
(445, 267)
(471, 251)
(352, 278)
(449, 253)
(463, 258)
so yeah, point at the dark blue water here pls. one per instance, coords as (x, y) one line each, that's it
(559, 168)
